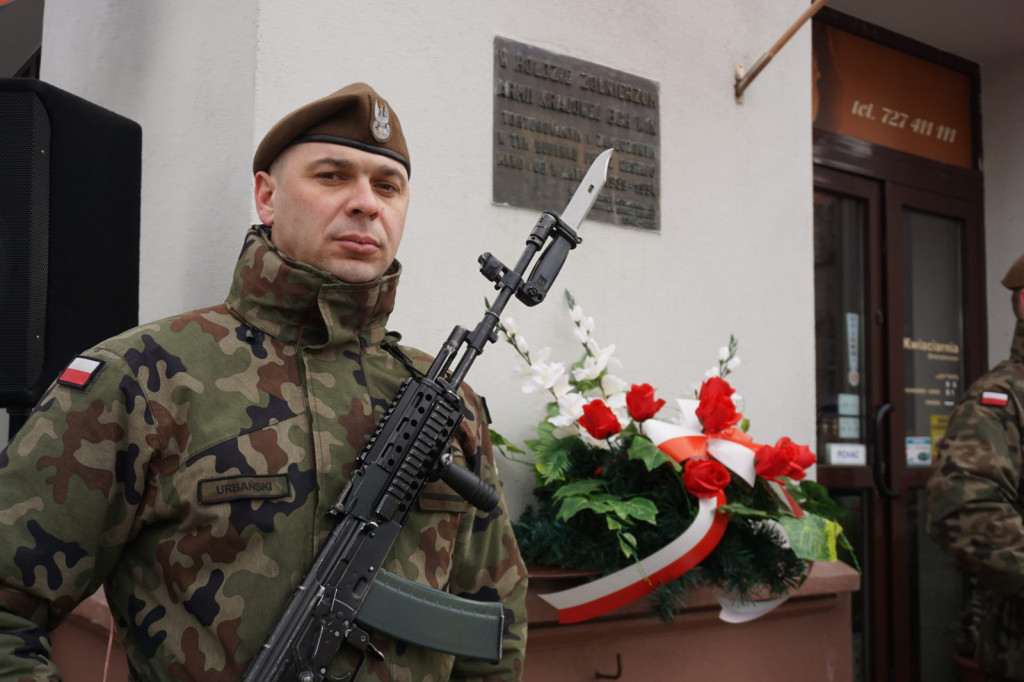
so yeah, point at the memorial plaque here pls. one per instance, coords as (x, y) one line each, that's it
(554, 114)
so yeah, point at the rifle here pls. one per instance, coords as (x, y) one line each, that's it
(345, 593)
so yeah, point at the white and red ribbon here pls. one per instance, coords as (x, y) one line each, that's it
(684, 440)
(638, 580)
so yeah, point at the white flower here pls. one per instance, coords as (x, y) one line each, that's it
(530, 385)
(723, 353)
(713, 372)
(594, 364)
(611, 384)
(604, 353)
(510, 326)
(543, 376)
(521, 344)
(548, 373)
(617, 403)
(732, 364)
(576, 313)
(561, 386)
(584, 328)
(589, 370)
(592, 368)
(570, 409)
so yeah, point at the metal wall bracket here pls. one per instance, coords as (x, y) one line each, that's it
(745, 79)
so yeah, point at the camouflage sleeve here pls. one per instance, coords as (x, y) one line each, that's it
(487, 565)
(80, 448)
(974, 508)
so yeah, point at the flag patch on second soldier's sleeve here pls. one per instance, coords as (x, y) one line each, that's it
(994, 398)
(80, 372)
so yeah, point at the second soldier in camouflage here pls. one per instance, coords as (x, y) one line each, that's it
(976, 497)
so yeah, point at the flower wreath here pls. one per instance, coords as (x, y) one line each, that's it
(658, 500)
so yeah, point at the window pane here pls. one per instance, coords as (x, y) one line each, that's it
(839, 267)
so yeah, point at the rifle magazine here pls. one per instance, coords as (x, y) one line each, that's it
(430, 618)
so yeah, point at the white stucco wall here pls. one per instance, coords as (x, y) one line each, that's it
(1003, 117)
(185, 72)
(206, 79)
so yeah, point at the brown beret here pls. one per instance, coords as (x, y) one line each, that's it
(355, 116)
(1014, 278)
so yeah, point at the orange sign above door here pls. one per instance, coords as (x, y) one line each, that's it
(875, 93)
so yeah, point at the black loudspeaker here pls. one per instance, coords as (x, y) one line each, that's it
(70, 178)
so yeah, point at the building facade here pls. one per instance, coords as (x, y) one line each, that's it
(754, 196)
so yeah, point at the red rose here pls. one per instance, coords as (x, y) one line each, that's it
(801, 454)
(716, 411)
(785, 458)
(715, 386)
(770, 462)
(705, 477)
(599, 421)
(641, 403)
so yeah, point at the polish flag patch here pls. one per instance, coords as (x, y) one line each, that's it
(80, 372)
(993, 398)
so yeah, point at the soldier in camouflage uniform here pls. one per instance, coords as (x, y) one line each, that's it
(187, 465)
(975, 506)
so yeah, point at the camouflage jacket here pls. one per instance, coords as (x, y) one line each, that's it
(191, 478)
(975, 503)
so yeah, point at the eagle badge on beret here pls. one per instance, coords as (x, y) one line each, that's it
(381, 124)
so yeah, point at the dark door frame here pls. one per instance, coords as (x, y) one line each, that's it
(888, 180)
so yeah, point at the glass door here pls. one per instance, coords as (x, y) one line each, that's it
(850, 378)
(894, 308)
(935, 258)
